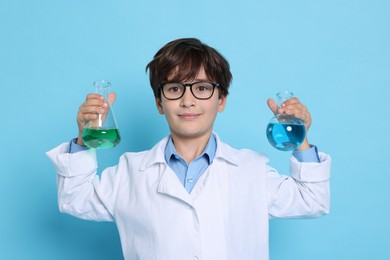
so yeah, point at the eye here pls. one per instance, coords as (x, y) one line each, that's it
(173, 88)
(202, 87)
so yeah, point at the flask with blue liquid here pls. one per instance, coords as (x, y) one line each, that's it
(285, 132)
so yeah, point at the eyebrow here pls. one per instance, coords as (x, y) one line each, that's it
(199, 80)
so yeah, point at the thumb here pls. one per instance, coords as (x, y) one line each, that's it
(272, 105)
(111, 97)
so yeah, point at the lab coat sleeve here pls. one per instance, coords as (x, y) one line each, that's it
(305, 193)
(81, 192)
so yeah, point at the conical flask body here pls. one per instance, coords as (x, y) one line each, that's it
(102, 132)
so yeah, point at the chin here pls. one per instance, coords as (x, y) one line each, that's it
(191, 133)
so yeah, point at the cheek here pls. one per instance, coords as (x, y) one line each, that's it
(167, 110)
(164, 107)
(213, 109)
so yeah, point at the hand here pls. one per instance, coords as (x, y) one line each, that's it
(293, 107)
(90, 110)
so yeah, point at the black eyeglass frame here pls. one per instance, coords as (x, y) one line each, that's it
(215, 85)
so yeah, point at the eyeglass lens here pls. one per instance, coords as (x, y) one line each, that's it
(201, 90)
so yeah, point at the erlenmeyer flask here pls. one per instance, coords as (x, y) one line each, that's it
(102, 132)
(285, 132)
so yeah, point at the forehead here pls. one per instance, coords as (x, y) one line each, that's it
(196, 75)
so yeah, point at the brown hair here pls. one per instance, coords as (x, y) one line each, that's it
(187, 56)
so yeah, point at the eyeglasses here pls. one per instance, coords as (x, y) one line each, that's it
(200, 90)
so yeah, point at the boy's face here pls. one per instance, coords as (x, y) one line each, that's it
(189, 117)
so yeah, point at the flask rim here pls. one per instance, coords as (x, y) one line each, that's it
(102, 84)
(284, 95)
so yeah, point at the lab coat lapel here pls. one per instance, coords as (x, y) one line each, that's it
(170, 185)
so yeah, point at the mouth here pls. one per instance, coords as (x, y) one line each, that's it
(189, 116)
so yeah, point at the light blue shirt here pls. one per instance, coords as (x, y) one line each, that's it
(189, 174)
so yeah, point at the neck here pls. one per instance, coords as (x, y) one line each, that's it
(190, 148)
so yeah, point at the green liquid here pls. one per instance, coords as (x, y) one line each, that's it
(101, 138)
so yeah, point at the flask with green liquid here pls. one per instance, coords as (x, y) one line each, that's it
(102, 132)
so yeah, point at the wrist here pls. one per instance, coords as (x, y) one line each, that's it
(79, 140)
(304, 146)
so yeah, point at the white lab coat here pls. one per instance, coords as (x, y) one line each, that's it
(224, 217)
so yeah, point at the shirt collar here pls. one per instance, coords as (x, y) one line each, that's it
(209, 151)
(156, 154)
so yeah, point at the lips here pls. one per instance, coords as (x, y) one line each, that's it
(189, 116)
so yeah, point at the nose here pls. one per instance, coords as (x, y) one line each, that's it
(187, 100)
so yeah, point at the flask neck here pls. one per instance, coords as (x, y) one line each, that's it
(283, 96)
(102, 87)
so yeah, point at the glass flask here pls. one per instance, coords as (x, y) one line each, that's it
(285, 132)
(102, 132)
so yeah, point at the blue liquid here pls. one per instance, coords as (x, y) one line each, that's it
(285, 137)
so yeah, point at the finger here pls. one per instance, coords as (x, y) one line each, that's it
(87, 117)
(92, 104)
(94, 99)
(297, 111)
(272, 105)
(96, 108)
(94, 96)
(304, 115)
(291, 101)
(111, 97)
(295, 108)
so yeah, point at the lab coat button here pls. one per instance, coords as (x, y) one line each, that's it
(195, 257)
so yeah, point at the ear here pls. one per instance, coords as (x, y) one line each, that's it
(159, 106)
(222, 103)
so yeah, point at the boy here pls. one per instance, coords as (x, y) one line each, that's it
(191, 196)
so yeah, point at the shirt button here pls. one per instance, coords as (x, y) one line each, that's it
(190, 180)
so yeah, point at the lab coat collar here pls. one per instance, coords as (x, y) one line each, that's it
(156, 154)
(226, 152)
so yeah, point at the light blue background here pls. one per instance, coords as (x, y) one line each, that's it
(334, 55)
